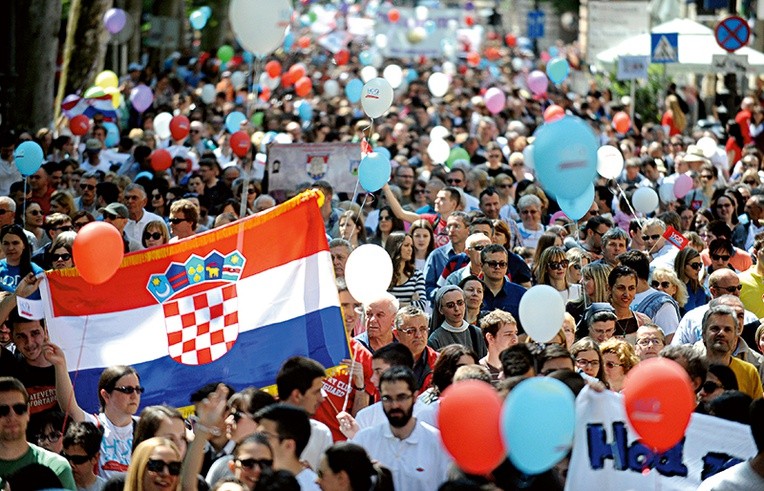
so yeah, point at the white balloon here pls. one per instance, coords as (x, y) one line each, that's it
(368, 273)
(666, 191)
(394, 75)
(449, 68)
(270, 82)
(708, 145)
(453, 24)
(238, 79)
(528, 157)
(331, 88)
(376, 97)
(377, 59)
(645, 200)
(421, 12)
(449, 49)
(542, 312)
(517, 64)
(368, 73)
(260, 25)
(438, 150)
(381, 41)
(609, 162)
(438, 133)
(438, 84)
(284, 138)
(208, 93)
(162, 125)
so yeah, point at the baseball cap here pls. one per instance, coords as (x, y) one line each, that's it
(93, 144)
(132, 67)
(115, 209)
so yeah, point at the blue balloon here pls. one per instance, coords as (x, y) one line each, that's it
(383, 151)
(430, 26)
(288, 42)
(411, 75)
(112, 135)
(373, 172)
(365, 58)
(557, 69)
(198, 20)
(207, 11)
(28, 157)
(565, 156)
(578, 207)
(554, 51)
(248, 57)
(537, 424)
(353, 90)
(233, 121)
(305, 111)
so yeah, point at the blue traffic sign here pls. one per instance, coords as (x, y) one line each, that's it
(732, 33)
(664, 47)
(536, 24)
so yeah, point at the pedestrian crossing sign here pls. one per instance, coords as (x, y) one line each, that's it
(664, 47)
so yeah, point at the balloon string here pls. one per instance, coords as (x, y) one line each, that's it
(350, 382)
(628, 203)
(24, 220)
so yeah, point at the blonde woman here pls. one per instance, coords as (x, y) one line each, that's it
(577, 259)
(618, 357)
(595, 289)
(552, 270)
(155, 464)
(666, 281)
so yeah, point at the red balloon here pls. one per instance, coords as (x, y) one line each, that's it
(297, 71)
(473, 58)
(240, 143)
(492, 53)
(160, 160)
(342, 57)
(79, 125)
(474, 443)
(511, 40)
(621, 122)
(393, 15)
(303, 86)
(553, 113)
(469, 20)
(98, 251)
(273, 68)
(179, 127)
(265, 94)
(304, 42)
(287, 80)
(659, 401)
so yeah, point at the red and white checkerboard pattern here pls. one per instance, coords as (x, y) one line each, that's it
(202, 327)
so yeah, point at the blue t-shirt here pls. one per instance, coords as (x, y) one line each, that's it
(11, 275)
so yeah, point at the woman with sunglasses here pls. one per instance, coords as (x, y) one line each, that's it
(34, 224)
(388, 223)
(18, 259)
(60, 250)
(577, 259)
(618, 358)
(156, 466)
(718, 379)
(155, 234)
(594, 289)
(665, 280)
(552, 270)
(81, 218)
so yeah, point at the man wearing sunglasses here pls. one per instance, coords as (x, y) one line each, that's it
(660, 250)
(82, 444)
(500, 292)
(87, 193)
(15, 451)
(54, 224)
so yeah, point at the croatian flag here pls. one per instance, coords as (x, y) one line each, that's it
(89, 106)
(228, 305)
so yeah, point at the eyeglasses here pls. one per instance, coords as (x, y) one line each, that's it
(645, 238)
(19, 409)
(152, 235)
(696, 266)
(610, 364)
(159, 466)
(504, 186)
(238, 415)
(709, 387)
(194, 131)
(496, 264)
(176, 221)
(410, 331)
(385, 218)
(129, 390)
(649, 341)
(730, 289)
(494, 156)
(251, 463)
(75, 459)
(79, 225)
(34, 212)
(706, 176)
(398, 398)
(453, 181)
(477, 248)
(662, 284)
(720, 257)
(419, 191)
(528, 212)
(61, 257)
(451, 305)
(587, 363)
(49, 437)
(63, 228)
(3, 212)
(132, 197)
(558, 265)
(89, 187)
(577, 267)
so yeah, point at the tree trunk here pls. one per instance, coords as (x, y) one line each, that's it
(134, 10)
(32, 63)
(89, 46)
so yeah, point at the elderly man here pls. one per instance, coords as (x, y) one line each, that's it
(662, 252)
(340, 250)
(720, 332)
(135, 201)
(614, 243)
(475, 245)
(650, 341)
(499, 333)
(449, 325)
(411, 329)
(531, 228)
(379, 316)
(500, 292)
(87, 198)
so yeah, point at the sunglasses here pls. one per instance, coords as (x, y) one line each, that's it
(75, 459)
(155, 196)
(696, 266)
(251, 463)
(385, 218)
(504, 186)
(706, 176)
(3, 212)
(19, 409)
(453, 181)
(49, 437)
(662, 284)
(496, 264)
(730, 289)
(709, 387)
(79, 225)
(89, 187)
(176, 221)
(645, 238)
(720, 257)
(558, 265)
(129, 390)
(63, 228)
(750, 182)
(238, 415)
(61, 257)
(158, 466)
(419, 191)
(150, 235)
(478, 248)
(34, 212)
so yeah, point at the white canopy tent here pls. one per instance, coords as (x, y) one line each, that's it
(696, 48)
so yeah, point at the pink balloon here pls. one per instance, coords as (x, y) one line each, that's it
(537, 82)
(545, 56)
(495, 100)
(682, 186)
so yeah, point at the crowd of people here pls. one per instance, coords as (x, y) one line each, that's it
(466, 241)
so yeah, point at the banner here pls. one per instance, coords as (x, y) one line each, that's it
(607, 455)
(228, 305)
(296, 163)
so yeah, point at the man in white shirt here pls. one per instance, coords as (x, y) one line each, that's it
(408, 447)
(662, 251)
(135, 201)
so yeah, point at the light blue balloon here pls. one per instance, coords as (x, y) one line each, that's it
(112, 135)
(305, 111)
(248, 57)
(411, 75)
(430, 26)
(524, 43)
(565, 156)
(554, 51)
(28, 157)
(288, 42)
(233, 121)
(365, 58)
(353, 90)
(207, 11)
(557, 69)
(373, 172)
(382, 151)
(576, 208)
(198, 20)
(494, 70)
(537, 424)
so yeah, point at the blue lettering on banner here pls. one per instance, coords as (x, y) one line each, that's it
(715, 462)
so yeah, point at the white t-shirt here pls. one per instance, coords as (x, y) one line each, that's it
(307, 480)
(739, 477)
(320, 440)
(116, 446)
(373, 414)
